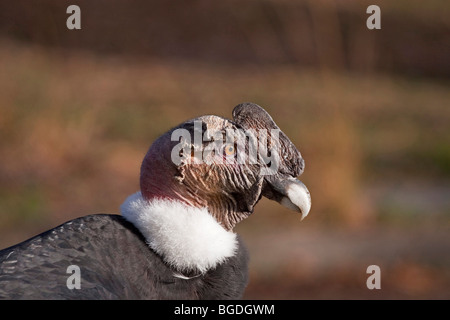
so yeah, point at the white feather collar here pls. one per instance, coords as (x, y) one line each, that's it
(187, 238)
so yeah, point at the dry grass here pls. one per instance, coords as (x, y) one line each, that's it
(74, 128)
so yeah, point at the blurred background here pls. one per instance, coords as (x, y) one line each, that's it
(368, 109)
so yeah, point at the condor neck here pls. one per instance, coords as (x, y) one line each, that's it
(188, 238)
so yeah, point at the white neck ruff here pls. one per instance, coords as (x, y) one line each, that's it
(187, 238)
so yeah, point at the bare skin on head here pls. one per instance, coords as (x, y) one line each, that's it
(229, 191)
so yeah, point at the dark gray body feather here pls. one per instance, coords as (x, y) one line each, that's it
(115, 263)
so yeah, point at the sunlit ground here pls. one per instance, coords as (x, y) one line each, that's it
(74, 128)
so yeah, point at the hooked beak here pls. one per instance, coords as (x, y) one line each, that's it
(281, 186)
(288, 191)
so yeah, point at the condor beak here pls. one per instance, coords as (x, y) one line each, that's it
(280, 186)
(288, 191)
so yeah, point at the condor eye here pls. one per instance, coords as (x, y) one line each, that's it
(229, 149)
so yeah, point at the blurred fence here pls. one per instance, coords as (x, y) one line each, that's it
(414, 38)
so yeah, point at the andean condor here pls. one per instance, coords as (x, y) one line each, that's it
(174, 238)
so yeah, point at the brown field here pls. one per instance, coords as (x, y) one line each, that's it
(75, 125)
